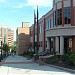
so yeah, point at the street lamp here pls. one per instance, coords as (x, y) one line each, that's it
(1, 51)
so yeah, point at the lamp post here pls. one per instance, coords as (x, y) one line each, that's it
(1, 51)
(37, 32)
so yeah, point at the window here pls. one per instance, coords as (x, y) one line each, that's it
(48, 24)
(70, 43)
(36, 31)
(41, 28)
(67, 15)
(46, 44)
(54, 21)
(40, 43)
(59, 11)
(5, 35)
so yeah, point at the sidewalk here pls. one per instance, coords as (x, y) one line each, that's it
(19, 65)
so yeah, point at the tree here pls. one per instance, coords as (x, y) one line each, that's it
(5, 48)
(13, 49)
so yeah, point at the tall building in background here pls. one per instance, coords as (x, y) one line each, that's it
(22, 38)
(6, 35)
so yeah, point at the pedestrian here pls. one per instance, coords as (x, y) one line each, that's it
(13, 54)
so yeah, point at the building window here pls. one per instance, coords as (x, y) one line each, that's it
(67, 15)
(41, 28)
(40, 43)
(48, 24)
(5, 35)
(46, 44)
(59, 12)
(54, 21)
(70, 43)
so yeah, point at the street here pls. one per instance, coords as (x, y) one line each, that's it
(19, 65)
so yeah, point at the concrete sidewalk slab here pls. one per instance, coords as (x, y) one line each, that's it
(28, 68)
(16, 59)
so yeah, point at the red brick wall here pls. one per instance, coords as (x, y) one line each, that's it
(74, 15)
(73, 43)
(23, 40)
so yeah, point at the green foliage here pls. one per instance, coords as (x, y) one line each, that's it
(13, 49)
(72, 59)
(65, 57)
(30, 54)
(69, 59)
(52, 60)
(53, 52)
(5, 48)
(67, 51)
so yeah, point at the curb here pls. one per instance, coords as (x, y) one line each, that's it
(61, 68)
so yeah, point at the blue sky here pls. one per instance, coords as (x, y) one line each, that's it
(14, 12)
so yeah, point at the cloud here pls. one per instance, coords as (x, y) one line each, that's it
(40, 3)
(24, 3)
(33, 3)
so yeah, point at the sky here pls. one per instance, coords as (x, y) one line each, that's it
(14, 12)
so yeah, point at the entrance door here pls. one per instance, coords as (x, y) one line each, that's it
(67, 45)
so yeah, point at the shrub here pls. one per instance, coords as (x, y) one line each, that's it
(65, 57)
(69, 59)
(72, 59)
(52, 60)
(30, 54)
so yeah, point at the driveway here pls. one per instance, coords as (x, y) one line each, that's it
(19, 65)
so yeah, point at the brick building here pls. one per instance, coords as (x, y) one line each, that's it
(56, 29)
(22, 38)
